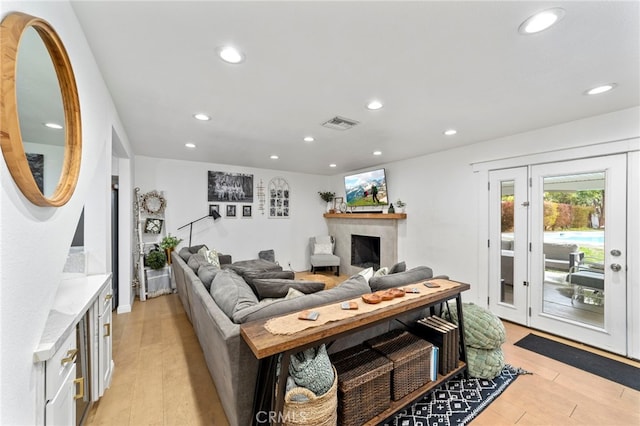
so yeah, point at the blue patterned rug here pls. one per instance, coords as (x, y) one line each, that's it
(456, 402)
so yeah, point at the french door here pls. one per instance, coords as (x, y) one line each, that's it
(558, 248)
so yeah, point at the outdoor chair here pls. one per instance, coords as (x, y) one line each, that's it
(587, 273)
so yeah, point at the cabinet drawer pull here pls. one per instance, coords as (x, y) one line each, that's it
(80, 394)
(71, 356)
(108, 331)
(108, 297)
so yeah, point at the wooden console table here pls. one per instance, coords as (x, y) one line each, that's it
(267, 347)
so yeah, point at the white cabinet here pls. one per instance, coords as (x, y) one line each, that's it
(105, 345)
(60, 373)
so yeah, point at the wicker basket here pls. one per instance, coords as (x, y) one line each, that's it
(317, 411)
(364, 377)
(411, 358)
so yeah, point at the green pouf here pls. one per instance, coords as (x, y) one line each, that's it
(484, 363)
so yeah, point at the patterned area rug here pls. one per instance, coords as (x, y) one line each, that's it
(456, 402)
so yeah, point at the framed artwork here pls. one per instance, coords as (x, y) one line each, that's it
(222, 186)
(214, 208)
(231, 210)
(153, 226)
(279, 198)
(36, 164)
(246, 211)
(338, 205)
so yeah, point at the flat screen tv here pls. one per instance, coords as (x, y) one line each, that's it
(366, 189)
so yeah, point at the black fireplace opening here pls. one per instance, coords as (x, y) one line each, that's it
(365, 251)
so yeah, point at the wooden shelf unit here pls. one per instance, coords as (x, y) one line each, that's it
(384, 216)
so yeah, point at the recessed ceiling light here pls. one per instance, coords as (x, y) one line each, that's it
(202, 117)
(541, 21)
(190, 145)
(333, 165)
(374, 105)
(274, 157)
(53, 126)
(309, 139)
(601, 89)
(230, 54)
(450, 132)
(377, 152)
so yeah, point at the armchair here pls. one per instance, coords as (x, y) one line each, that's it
(322, 248)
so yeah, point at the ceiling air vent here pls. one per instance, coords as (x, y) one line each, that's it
(340, 123)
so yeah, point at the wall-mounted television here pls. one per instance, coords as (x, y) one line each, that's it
(366, 189)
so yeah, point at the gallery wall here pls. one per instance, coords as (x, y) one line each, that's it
(184, 184)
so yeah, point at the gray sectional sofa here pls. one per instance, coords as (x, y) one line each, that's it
(219, 300)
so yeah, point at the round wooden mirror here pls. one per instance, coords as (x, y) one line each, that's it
(38, 89)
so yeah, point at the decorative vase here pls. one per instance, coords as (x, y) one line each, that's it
(391, 209)
(399, 209)
(329, 206)
(168, 252)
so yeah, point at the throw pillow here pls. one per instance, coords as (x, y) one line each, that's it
(293, 293)
(398, 267)
(231, 293)
(366, 273)
(312, 369)
(196, 261)
(322, 248)
(278, 287)
(381, 272)
(210, 255)
(323, 239)
(207, 273)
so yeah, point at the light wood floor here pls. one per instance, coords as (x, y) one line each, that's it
(161, 378)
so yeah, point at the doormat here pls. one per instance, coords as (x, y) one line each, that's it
(610, 369)
(455, 402)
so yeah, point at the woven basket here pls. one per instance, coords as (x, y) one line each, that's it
(364, 378)
(411, 357)
(317, 411)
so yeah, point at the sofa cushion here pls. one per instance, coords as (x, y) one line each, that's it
(249, 276)
(186, 252)
(207, 273)
(196, 261)
(231, 293)
(268, 255)
(398, 267)
(349, 289)
(276, 287)
(417, 274)
(244, 266)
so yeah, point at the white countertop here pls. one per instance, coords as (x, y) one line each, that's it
(74, 297)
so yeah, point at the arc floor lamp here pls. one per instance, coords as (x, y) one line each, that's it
(214, 214)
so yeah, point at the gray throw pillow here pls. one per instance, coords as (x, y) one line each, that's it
(349, 289)
(231, 293)
(207, 273)
(398, 267)
(268, 255)
(186, 252)
(196, 261)
(417, 274)
(276, 287)
(250, 276)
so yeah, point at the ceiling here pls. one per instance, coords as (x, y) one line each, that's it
(434, 65)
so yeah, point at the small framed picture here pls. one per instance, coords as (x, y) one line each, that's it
(214, 208)
(337, 202)
(246, 211)
(153, 226)
(231, 210)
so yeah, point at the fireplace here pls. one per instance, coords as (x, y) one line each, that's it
(365, 251)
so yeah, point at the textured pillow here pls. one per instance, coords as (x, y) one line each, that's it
(293, 293)
(268, 255)
(231, 293)
(277, 287)
(207, 273)
(398, 267)
(482, 328)
(323, 239)
(210, 255)
(380, 272)
(196, 261)
(322, 248)
(312, 369)
(366, 273)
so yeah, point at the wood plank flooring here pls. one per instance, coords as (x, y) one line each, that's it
(161, 378)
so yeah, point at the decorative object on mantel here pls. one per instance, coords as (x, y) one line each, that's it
(339, 205)
(260, 188)
(327, 197)
(279, 198)
(169, 243)
(401, 205)
(391, 209)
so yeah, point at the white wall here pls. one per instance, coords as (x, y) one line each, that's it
(445, 227)
(34, 241)
(185, 188)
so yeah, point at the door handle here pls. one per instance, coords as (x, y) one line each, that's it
(616, 267)
(107, 327)
(71, 356)
(80, 394)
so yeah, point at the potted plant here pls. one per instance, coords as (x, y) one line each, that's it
(400, 206)
(156, 259)
(328, 196)
(169, 243)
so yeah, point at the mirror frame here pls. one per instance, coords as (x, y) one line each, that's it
(11, 30)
